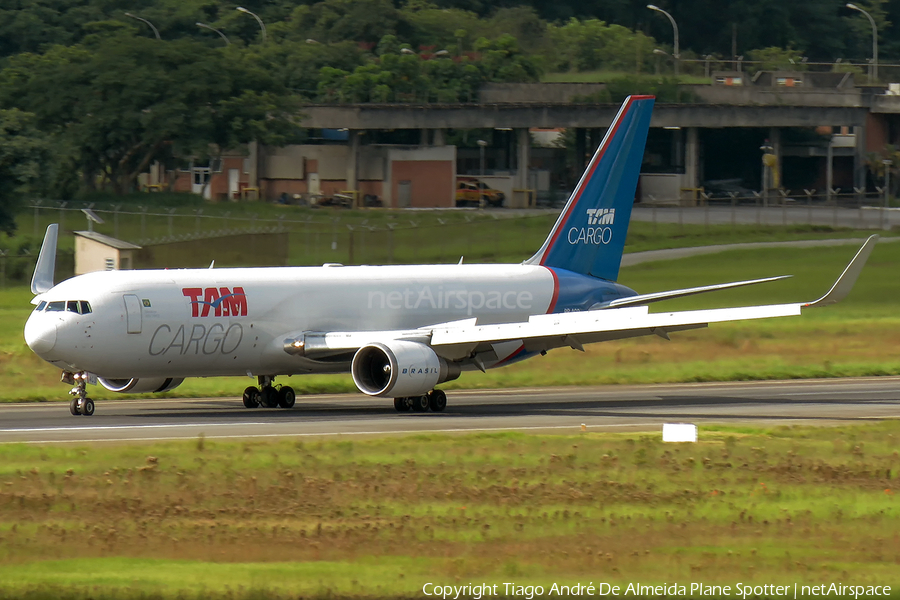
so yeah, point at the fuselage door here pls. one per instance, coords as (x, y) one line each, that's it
(133, 313)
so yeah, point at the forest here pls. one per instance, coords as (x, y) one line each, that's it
(93, 91)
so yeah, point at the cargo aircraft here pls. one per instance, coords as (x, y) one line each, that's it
(399, 330)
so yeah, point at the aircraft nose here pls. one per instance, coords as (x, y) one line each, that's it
(40, 335)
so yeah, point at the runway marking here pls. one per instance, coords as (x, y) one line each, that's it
(329, 433)
(108, 427)
(577, 427)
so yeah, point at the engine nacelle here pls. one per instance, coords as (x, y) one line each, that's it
(140, 386)
(399, 369)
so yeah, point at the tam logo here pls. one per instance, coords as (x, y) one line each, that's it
(601, 216)
(221, 301)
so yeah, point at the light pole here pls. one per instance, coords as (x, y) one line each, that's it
(674, 27)
(481, 145)
(873, 74)
(262, 25)
(205, 26)
(155, 31)
(659, 52)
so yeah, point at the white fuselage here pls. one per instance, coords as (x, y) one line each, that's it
(216, 322)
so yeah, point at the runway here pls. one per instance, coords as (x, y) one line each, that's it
(562, 410)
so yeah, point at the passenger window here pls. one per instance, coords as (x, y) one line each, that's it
(85, 307)
(40, 306)
(57, 306)
(72, 306)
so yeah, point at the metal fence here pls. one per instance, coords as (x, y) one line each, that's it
(409, 237)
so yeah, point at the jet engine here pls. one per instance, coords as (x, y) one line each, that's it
(140, 386)
(399, 369)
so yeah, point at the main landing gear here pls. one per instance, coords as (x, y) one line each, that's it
(80, 404)
(436, 401)
(268, 396)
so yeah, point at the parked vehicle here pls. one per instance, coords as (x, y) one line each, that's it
(472, 192)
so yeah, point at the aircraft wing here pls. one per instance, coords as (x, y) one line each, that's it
(467, 339)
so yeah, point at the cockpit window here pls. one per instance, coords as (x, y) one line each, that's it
(80, 307)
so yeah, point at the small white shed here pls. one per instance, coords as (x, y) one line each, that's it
(97, 252)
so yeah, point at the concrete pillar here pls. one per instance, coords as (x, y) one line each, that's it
(580, 151)
(859, 157)
(439, 137)
(775, 142)
(523, 156)
(678, 147)
(692, 158)
(353, 159)
(423, 137)
(829, 170)
(253, 164)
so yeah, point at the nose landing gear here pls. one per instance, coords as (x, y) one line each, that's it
(268, 395)
(80, 404)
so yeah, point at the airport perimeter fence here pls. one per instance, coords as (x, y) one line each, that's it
(375, 236)
(855, 210)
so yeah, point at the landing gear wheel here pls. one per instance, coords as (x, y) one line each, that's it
(87, 407)
(251, 397)
(419, 403)
(437, 400)
(401, 404)
(269, 397)
(286, 397)
(74, 408)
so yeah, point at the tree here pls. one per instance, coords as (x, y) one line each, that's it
(23, 153)
(592, 44)
(122, 102)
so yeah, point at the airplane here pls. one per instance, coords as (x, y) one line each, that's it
(399, 330)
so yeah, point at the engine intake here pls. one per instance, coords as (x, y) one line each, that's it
(140, 386)
(399, 369)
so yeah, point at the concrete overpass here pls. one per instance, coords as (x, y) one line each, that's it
(523, 106)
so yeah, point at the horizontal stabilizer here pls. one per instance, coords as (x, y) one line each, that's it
(42, 280)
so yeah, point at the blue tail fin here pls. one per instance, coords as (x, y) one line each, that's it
(589, 236)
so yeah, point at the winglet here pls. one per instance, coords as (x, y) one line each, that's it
(42, 280)
(845, 282)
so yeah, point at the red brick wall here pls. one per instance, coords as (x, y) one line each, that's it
(431, 182)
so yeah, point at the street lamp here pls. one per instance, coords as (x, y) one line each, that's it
(258, 20)
(873, 74)
(205, 26)
(155, 31)
(659, 52)
(481, 145)
(676, 55)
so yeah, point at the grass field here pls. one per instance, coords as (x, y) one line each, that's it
(859, 336)
(380, 236)
(381, 517)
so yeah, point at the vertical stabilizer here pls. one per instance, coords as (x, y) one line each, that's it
(42, 280)
(589, 236)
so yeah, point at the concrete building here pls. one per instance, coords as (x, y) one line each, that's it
(98, 252)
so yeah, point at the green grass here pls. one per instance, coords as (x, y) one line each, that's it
(381, 517)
